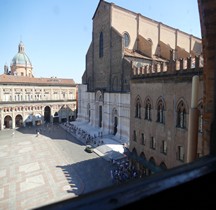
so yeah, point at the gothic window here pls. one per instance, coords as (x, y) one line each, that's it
(180, 153)
(138, 108)
(142, 139)
(153, 143)
(101, 45)
(160, 112)
(181, 115)
(148, 110)
(126, 39)
(164, 147)
(134, 136)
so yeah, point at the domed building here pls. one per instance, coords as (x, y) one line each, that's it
(21, 64)
(29, 101)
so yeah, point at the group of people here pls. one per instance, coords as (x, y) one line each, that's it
(123, 172)
(86, 137)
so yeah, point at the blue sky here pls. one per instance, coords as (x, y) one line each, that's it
(57, 33)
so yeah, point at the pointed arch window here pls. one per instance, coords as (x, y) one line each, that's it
(160, 111)
(142, 139)
(101, 45)
(148, 110)
(138, 108)
(164, 147)
(180, 153)
(126, 39)
(134, 136)
(181, 115)
(153, 143)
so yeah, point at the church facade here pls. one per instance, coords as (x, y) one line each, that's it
(123, 40)
(28, 101)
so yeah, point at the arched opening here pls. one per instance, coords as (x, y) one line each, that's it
(115, 125)
(7, 122)
(19, 121)
(47, 113)
(181, 115)
(163, 166)
(29, 121)
(152, 161)
(56, 118)
(142, 168)
(114, 121)
(101, 45)
(100, 116)
(148, 108)
(133, 159)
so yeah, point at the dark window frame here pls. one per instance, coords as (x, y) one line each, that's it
(101, 45)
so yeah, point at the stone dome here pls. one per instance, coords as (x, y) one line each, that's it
(21, 64)
(21, 58)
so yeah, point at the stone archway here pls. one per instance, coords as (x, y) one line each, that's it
(19, 121)
(142, 168)
(115, 121)
(29, 120)
(56, 118)
(8, 122)
(134, 162)
(47, 114)
(152, 161)
(163, 166)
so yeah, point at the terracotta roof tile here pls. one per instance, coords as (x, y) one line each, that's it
(11, 79)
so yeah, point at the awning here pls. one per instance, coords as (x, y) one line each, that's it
(29, 119)
(37, 116)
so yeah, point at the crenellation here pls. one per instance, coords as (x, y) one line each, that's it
(180, 65)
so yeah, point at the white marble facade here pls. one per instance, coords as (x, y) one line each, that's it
(115, 117)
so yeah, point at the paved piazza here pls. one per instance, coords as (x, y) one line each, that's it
(35, 171)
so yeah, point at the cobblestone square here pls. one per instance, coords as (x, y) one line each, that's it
(35, 171)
